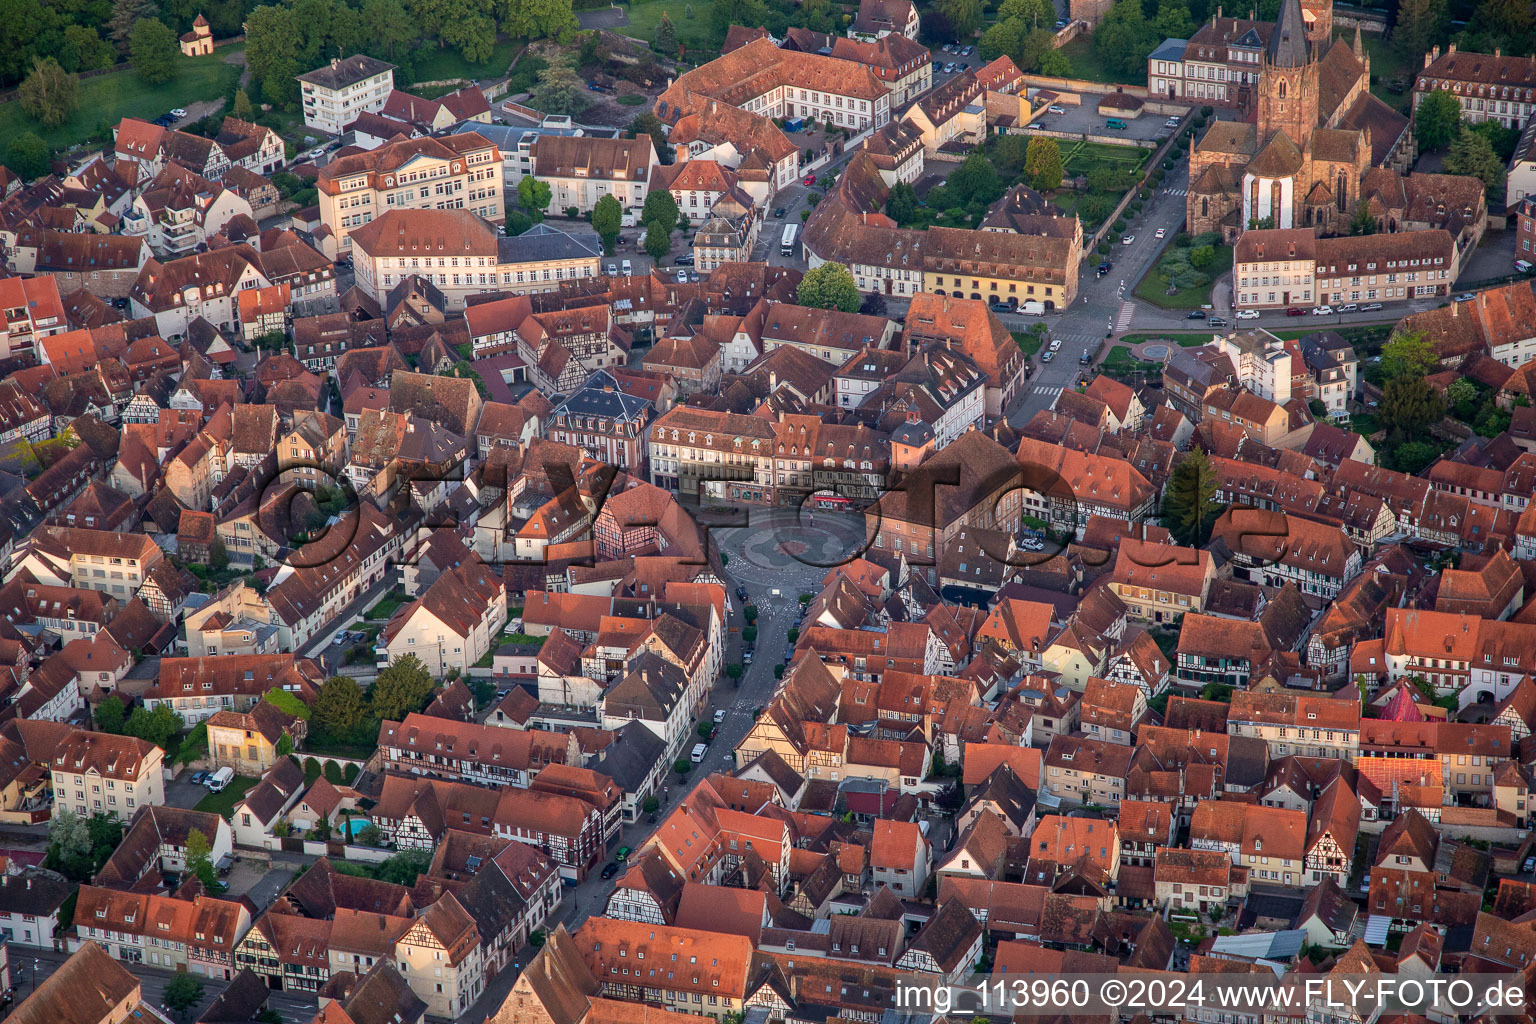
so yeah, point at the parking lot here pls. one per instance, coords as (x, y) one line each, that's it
(1085, 119)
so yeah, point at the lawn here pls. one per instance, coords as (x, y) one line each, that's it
(1120, 361)
(223, 804)
(1385, 66)
(1181, 340)
(441, 63)
(387, 605)
(107, 99)
(1154, 286)
(1085, 64)
(1029, 341)
(691, 32)
(1083, 157)
(1364, 423)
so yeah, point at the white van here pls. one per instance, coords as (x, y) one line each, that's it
(219, 779)
(699, 750)
(624, 266)
(1033, 308)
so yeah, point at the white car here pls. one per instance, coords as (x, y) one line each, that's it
(1048, 355)
(1247, 314)
(1056, 109)
(1172, 122)
(178, 112)
(1161, 233)
(1055, 344)
(1127, 240)
(1321, 310)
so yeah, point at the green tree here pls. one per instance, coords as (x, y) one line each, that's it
(830, 286)
(1408, 354)
(1043, 164)
(1408, 406)
(534, 196)
(243, 108)
(1032, 13)
(200, 859)
(1414, 456)
(1362, 223)
(1189, 504)
(963, 16)
(403, 687)
(901, 205)
(1055, 64)
(647, 123)
(607, 219)
(26, 155)
(1124, 39)
(125, 15)
(110, 714)
(666, 36)
(975, 181)
(1033, 46)
(559, 89)
(391, 30)
(535, 19)
(85, 50)
(69, 846)
(1003, 38)
(1420, 24)
(1173, 20)
(1462, 395)
(473, 34)
(312, 769)
(404, 867)
(49, 93)
(660, 207)
(159, 726)
(1472, 154)
(658, 240)
(651, 805)
(153, 51)
(1437, 120)
(182, 993)
(725, 13)
(218, 555)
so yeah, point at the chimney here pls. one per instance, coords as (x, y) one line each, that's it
(335, 63)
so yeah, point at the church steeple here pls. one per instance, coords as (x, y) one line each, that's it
(1288, 44)
(1359, 46)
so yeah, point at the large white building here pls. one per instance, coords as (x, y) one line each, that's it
(463, 255)
(454, 172)
(334, 95)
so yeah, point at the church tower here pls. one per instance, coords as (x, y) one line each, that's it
(1288, 80)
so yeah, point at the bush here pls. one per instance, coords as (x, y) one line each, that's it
(312, 769)
(333, 773)
(1119, 224)
(682, 766)
(350, 773)
(631, 99)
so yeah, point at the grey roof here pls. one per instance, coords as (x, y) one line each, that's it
(542, 242)
(916, 433)
(342, 73)
(35, 891)
(1288, 43)
(602, 396)
(240, 1002)
(631, 756)
(1170, 49)
(1267, 945)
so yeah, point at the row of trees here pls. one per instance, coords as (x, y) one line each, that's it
(286, 39)
(1505, 25)
(1478, 150)
(160, 726)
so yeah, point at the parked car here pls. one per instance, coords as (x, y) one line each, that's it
(685, 260)
(613, 269)
(1001, 306)
(742, 595)
(1194, 314)
(611, 869)
(1523, 266)
(1057, 108)
(719, 715)
(165, 120)
(1127, 240)
(1465, 297)
(1160, 233)
(949, 67)
(682, 277)
(1047, 355)
(1172, 122)
(1216, 321)
(1370, 307)
(1348, 307)
(809, 179)
(1247, 314)
(622, 854)
(746, 657)
(625, 267)
(178, 112)
(1293, 311)
(967, 51)
(198, 778)
(1032, 544)
(779, 213)
(1322, 310)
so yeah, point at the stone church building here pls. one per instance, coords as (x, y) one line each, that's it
(1316, 131)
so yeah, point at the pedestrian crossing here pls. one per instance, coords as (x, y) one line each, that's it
(1175, 191)
(1127, 314)
(1050, 391)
